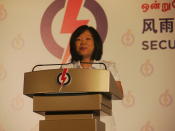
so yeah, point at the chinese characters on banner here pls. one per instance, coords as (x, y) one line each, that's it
(157, 26)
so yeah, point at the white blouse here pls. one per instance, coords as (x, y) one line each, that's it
(111, 66)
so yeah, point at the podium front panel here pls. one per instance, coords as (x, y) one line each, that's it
(71, 125)
(80, 103)
(72, 116)
(82, 80)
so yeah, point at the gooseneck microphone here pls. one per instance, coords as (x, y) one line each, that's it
(100, 63)
(49, 65)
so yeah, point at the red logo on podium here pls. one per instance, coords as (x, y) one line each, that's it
(64, 77)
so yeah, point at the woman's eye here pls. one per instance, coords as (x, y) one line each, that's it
(78, 39)
(88, 38)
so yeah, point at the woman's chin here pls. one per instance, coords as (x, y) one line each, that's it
(83, 53)
(85, 56)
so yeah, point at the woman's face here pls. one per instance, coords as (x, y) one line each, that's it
(85, 44)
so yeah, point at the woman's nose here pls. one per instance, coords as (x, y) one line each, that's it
(83, 41)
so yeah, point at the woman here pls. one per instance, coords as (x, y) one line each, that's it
(86, 47)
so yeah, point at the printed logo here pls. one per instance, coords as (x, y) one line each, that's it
(128, 100)
(165, 99)
(17, 103)
(64, 77)
(70, 23)
(18, 42)
(147, 68)
(147, 127)
(128, 38)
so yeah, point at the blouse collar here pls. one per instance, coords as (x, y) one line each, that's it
(78, 65)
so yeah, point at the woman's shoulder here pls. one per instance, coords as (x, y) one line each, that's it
(111, 66)
(107, 62)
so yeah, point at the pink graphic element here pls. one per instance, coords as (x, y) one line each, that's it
(63, 75)
(70, 22)
(128, 38)
(17, 103)
(3, 12)
(128, 100)
(147, 68)
(2, 72)
(18, 42)
(165, 99)
(46, 32)
(147, 127)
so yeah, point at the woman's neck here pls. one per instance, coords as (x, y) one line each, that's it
(84, 65)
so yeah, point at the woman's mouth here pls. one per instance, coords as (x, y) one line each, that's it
(83, 48)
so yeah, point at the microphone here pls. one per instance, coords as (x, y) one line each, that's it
(48, 65)
(68, 64)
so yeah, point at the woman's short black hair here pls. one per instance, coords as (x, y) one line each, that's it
(98, 45)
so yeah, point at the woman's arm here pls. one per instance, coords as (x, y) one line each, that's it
(120, 89)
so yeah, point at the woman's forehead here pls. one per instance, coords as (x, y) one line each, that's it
(85, 33)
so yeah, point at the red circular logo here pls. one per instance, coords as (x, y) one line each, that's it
(70, 23)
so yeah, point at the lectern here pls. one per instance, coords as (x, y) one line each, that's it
(71, 99)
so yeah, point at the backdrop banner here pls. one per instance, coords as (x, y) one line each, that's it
(138, 36)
